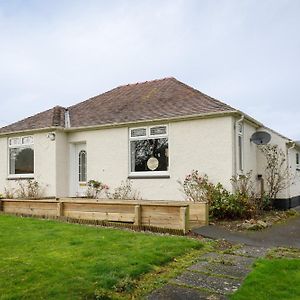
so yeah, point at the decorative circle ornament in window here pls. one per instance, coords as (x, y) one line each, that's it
(152, 163)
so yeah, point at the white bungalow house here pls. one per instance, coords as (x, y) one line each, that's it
(153, 133)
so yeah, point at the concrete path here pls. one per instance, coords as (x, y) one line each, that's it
(213, 277)
(284, 235)
(216, 275)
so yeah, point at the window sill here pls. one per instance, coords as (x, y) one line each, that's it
(20, 177)
(150, 176)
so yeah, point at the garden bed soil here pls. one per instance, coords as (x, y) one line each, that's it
(264, 220)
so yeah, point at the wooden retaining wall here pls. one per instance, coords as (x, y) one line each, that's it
(177, 215)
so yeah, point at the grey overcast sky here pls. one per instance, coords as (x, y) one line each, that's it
(243, 52)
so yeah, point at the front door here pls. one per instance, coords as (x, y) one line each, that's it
(81, 169)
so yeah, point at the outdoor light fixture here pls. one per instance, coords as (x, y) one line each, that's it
(51, 136)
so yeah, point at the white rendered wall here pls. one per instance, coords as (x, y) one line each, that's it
(62, 164)
(44, 164)
(205, 145)
(3, 163)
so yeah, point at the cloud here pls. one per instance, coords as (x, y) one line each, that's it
(62, 52)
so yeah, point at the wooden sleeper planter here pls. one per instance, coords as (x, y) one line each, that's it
(178, 215)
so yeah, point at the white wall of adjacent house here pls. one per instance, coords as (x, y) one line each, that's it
(294, 162)
(290, 153)
(203, 144)
(253, 159)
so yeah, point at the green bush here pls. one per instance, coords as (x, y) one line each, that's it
(225, 205)
(222, 203)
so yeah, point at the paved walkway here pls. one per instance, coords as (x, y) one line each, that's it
(284, 235)
(213, 277)
(217, 275)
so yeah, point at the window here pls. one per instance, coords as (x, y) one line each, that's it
(82, 166)
(297, 161)
(240, 138)
(149, 150)
(21, 156)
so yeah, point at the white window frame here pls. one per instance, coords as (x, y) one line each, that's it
(298, 164)
(148, 137)
(18, 142)
(80, 162)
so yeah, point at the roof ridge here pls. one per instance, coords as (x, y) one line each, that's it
(121, 86)
(147, 81)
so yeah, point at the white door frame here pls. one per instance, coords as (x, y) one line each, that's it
(75, 190)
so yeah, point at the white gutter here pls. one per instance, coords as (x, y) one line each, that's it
(127, 124)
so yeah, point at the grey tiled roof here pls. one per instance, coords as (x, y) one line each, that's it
(49, 118)
(157, 99)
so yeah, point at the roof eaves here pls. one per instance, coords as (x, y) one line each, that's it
(297, 143)
(146, 121)
(29, 131)
(259, 124)
(279, 134)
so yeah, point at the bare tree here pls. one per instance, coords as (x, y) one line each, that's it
(277, 174)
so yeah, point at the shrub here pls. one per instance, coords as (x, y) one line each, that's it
(265, 203)
(95, 188)
(243, 184)
(9, 193)
(222, 203)
(277, 174)
(124, 192)
(30, 189)
(197, 187)
(226, 207)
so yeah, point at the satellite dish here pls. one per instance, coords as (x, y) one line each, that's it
(260, 138)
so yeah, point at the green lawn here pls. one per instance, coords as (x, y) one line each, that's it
(272, 279)
(42, 259)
